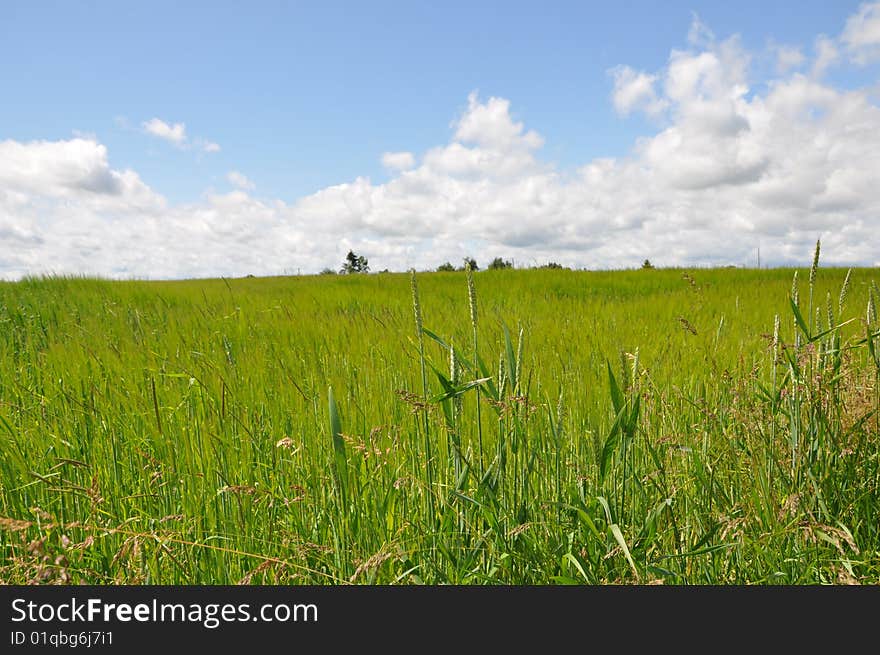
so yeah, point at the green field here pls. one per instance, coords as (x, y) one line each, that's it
(616, 427)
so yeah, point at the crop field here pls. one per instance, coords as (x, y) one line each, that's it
(678, 426)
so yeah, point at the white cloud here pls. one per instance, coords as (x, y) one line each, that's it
(733, 165)
(861, 35)
(240, 181)
(634, 90)
(398, 161)
(67, 170)
(175, 134)
(699, 34)
(827, 54)
(490, 125)
(787, 58)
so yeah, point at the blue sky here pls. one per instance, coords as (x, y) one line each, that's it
(304, 95)
(299, 97)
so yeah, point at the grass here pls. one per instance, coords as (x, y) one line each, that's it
(531, 427)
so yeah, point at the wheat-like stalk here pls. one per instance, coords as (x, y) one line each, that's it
(472, 294)
(813, 269)
(873, 293)
(417, 312)
(775, 338)
(453, 365)
(815, 265)
(455, 376)
(843, 291)
(502, 378)
(417, 306)
(472, 303)
(635, 366)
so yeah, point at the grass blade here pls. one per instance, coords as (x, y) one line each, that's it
(340, 460)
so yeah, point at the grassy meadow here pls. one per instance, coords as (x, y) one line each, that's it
(699, 426)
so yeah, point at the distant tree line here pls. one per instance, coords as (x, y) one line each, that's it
(447, 267)
(355, 263)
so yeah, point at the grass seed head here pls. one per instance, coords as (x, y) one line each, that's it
(417, 306)
(815, 265)
(843, 291)
(453, 365)
(873, 293)
(775, 337)
(635, 366)
(472, 294)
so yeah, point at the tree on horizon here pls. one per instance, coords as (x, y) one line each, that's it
(472, 262)
(500, 263)
(354, 264)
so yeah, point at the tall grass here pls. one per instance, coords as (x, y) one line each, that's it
(634, 426)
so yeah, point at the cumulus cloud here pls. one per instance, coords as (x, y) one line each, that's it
(67, 170)
(787, 58)
(239, 180)
(176, 135)
(734, 164)
(398, 161)
(64, 209)
(861, 35)
(827, 54)
(489, 124)
(634, 90)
